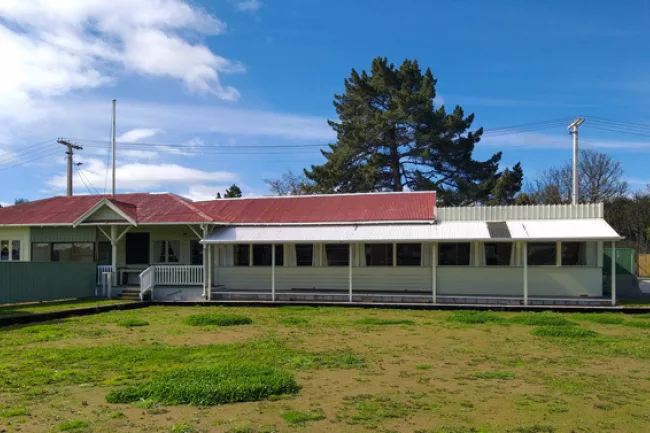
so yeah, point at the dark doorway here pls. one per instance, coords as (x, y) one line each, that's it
(137, 248)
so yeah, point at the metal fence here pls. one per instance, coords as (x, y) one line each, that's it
(32, 282)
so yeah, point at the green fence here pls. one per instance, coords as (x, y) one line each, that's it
(31, 282)
(625, 261)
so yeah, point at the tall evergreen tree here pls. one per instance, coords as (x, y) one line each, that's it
(391, 137)
(233, 192)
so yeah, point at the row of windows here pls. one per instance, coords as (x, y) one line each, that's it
(449, 254)
(9, 251)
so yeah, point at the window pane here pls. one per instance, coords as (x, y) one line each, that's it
(574, 253)
(104, 253)
(409, 254)
(337, 254)
(83, 252)
(196, 253)
(4, 251)
(379, 254)
(304, 254)
(15, 250)
(453, 254)
(62, 253)
(242, 257)
(279, 255)
(173, 251)
(498, 253)
(41, 252)
(261, 255)
(159, 251)
(542, 253)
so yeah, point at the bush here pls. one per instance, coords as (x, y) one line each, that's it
(473, 317)
(377, 321)
(541, 319)
(217, 320)
(291, 321)
(132, 321)
(299, 417)
(563, 332)
(227, 383)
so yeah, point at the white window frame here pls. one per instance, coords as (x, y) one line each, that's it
(166, 243)
(11, 250)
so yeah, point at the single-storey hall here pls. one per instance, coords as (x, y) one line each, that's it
(376, 246)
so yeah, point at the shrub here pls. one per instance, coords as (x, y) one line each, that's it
(217, 319)
(541, 319)
(73, 425)
(299, 417)
(563, 332)
(603, 319)
(227, 383)
(473, 317)
(291, 321)
(132, 321)
(377, 321)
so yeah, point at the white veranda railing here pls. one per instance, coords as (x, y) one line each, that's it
(178, 275)
(147, 281)
(101, 269)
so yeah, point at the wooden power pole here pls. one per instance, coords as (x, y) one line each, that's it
(71, 147)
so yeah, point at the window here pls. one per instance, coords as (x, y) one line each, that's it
(242, 255)
(574, 254)
(262, 255)
(498, 253)
(69, 252)
(379, 254)
(409, 254)
(453, 254)
(196, 253)
(304, 255)
(337, 254)
(9, 251)
(167, 251)
(104, 253)
(41, 252)
(542, 253)
(15, 251)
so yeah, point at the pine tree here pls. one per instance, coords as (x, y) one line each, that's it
(218, 195)
(233, 192)
(391, 137)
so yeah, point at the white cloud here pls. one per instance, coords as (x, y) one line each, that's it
(52, 48)
(135, 135)
(205, 192)
(247, 5)
(5, 204)
(132, 154)
(141, 177)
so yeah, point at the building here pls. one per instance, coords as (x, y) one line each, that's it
(380, 246)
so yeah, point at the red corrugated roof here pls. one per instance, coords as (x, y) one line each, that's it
(169, 208)
(324, 208)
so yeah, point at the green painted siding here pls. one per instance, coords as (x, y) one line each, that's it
(31, 282)
(625, 261)
(64, 234)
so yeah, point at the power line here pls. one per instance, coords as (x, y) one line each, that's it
(30, 160)
(33, 150)
(81, 177)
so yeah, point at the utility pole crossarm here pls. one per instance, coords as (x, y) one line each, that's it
(573, 130)
(71, 147)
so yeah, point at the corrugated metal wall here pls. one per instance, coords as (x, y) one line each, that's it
(503, 213)
(64, 234)
(31, 282)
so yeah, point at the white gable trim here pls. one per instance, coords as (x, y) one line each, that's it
(99, 205)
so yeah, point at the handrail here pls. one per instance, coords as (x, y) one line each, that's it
(100, 271)
(147, 281)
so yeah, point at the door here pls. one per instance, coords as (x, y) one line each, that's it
(137, 248)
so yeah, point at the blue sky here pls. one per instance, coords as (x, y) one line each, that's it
(216, 77)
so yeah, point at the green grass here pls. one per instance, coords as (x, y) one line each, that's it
(217, 320)
(603, 319)
(541, 319)
(10, 413)
(293, 321)
(183, 428)
(299, 417)
(563, 332)
(75, 425)
(132, 322)
(476, 317)
(423, 367)
(227, 383)
(638, 324)
(498, 375)
(378, 321)
(13, 310)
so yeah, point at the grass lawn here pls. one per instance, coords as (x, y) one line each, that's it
(12, 310)
(327, 369)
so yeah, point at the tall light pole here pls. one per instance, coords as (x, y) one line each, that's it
(573, 130)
